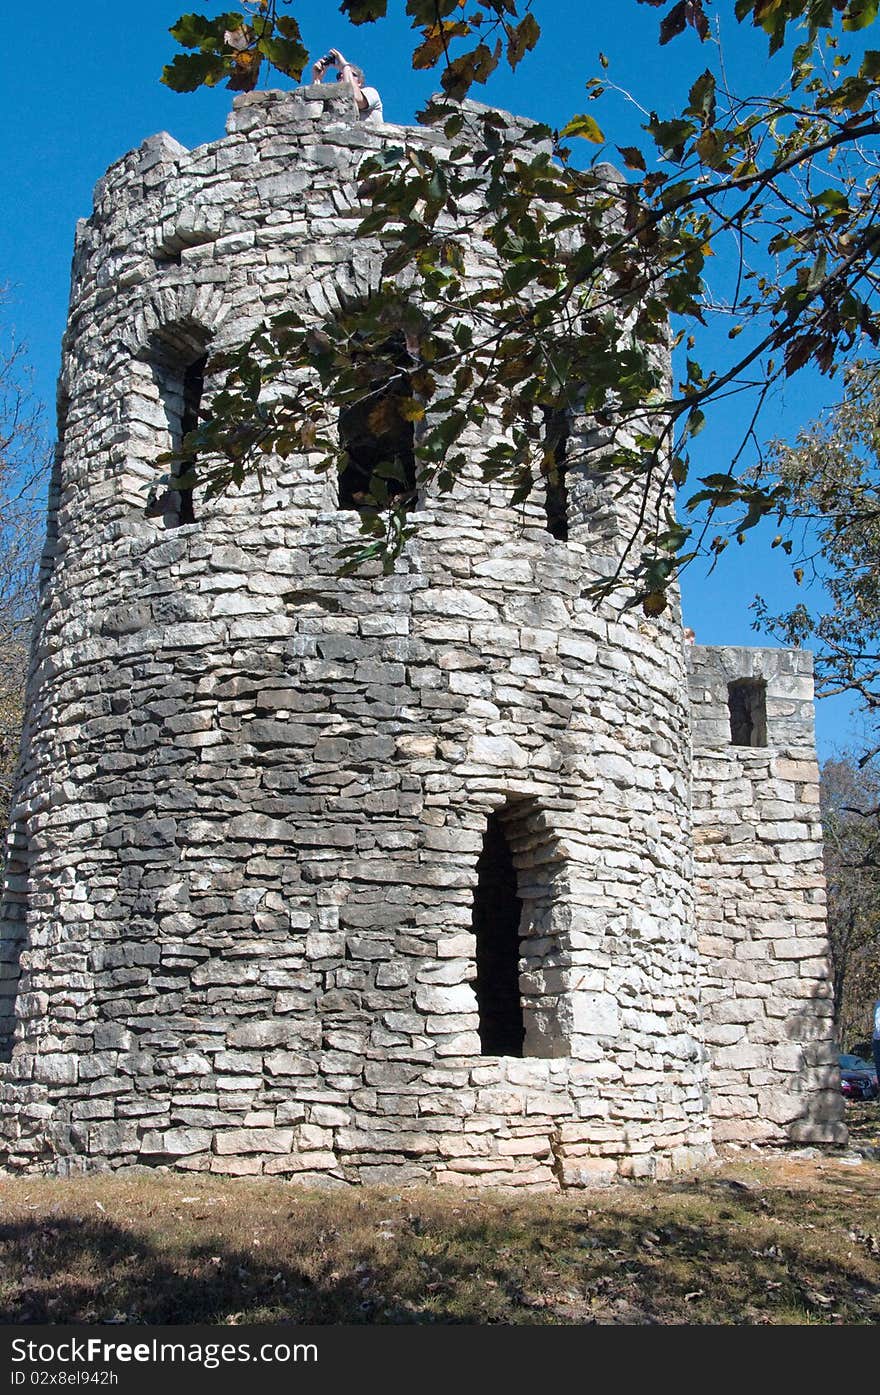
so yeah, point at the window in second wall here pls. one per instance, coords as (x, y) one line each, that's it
(747, 706)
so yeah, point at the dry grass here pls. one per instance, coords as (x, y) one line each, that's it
(759, 1240)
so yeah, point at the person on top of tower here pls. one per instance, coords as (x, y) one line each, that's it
(369, 102)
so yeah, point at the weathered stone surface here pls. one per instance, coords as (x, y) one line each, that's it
(174, 1143)
(238, 929)
(757, 922)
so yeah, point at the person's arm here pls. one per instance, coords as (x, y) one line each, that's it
(346, 74)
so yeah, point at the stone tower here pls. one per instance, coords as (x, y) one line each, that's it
(375, 877)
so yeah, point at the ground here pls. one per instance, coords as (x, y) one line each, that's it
(761, 1238)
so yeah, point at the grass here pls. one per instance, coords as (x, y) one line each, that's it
(762, 1238)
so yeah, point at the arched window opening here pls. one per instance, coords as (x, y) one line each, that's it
(556, 470)
(496, 924)
(747, 705)
(179, 362)
(379, 464)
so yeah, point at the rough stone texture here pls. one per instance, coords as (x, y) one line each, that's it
(253, 794)
(760, 900)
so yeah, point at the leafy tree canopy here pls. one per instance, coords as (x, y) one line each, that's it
(849, 801)
(830, 522)
(595, 265)
(23, 464)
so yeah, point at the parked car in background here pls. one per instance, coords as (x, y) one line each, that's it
(858, 1078)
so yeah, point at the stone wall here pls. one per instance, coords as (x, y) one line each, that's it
(239, 922)
(254, 794)
(760, 890)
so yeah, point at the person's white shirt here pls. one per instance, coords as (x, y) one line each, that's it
(373, 110)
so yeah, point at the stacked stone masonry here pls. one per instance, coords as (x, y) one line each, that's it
(239, 917)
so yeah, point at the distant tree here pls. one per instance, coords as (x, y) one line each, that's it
(830, 525)
(850, 804)
(831, 528)
(23, 460)
(594, 265)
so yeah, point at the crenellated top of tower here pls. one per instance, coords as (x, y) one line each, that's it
(324, 114)
(283, 152)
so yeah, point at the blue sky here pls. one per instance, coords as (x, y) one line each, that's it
(89, 91)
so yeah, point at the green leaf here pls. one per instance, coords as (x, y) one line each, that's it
(670, 136)
(197, 31)
(364, 11)
(288, 27)
(190, 30)
(833, 200)
(701, 99)
(426, 12)
(287, 55)
(459, 75)
(189, 71)
(712, 150)
(523, 489)
(860, 13)
(818, 271)
(585, 126)
(870, 67)
(522, 39)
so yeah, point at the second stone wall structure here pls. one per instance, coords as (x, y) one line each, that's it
(760, 897)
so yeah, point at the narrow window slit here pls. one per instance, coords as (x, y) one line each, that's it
(193, 388)
(556, 471)
(496, 924)
(50, 546)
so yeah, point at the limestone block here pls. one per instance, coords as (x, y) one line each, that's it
(240, 1142)
(459, 1044)
(459, 998)
(588, 1172)
(189, 1063)
(499, 751)
(56, 1068)
(175, 1142)
(595, 1014)
(327, 1116)
(260, 1035)
(113, 1137)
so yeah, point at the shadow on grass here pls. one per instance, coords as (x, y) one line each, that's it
(97, 1271)
(712, 1253)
